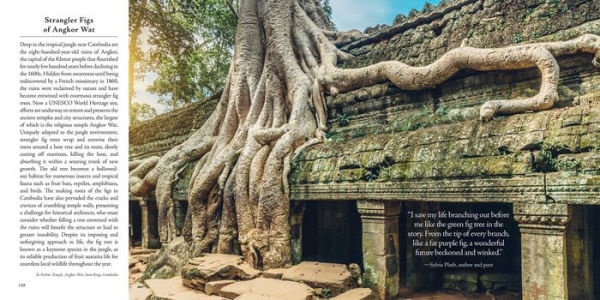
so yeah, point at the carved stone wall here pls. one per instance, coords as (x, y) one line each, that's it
(385, 143)
(426, 35)
(157, 136)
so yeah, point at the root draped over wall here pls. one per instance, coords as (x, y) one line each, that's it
(272, 107)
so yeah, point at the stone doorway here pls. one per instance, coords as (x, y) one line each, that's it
(331, 232)
(595, 249)
(181, 208)
(135, 224)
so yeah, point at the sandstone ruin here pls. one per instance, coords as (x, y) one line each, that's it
(500, 110)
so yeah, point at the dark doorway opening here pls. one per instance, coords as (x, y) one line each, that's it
(583, 252)
(595, 220)
(332, 232)
(135, 223)
(153, 237)
(181, 208)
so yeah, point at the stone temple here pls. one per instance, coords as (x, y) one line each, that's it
(391, 153)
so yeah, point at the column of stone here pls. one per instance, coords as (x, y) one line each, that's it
(543, 249)
(380, 246)
(296, 219)
(150, 237)
(145, 233)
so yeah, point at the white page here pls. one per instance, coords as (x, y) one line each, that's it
(25, 21)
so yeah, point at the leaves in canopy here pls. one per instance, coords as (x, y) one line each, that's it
(188, 43)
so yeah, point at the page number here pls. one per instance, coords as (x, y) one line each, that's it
(21, 285)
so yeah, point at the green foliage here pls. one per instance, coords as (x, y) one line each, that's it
(442, 110)
(547, 161)
(572, 165)
(328, 12)
(553, 2)
(187, 43)
(548, 157)
(334, 137)
(358, 133)
(370, 175)
(502, 150)
(470, 33)
(517, 38)
(342, 119)
(295, 162)
(529, 12)
(141, 112)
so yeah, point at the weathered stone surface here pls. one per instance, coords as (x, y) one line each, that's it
(274, 273)
(461, 281)
(141, 251)
(544, 253)
(134, 277)
(194, 295)
(166, 288)
(357, 294)
(500, 281)
(139, 292)
(269, 289)
(132, 261)
(214, 267)
(334, 277)
(138, 268)
(253, 296)
(380, 246)
(214, 287)
(395, 136)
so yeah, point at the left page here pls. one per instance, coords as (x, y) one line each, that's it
(65, 123)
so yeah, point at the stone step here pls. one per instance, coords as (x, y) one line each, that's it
(267, 288)
(138, 268)
(214, 267)
(274, 273)
(357, 294)
(194, 295)
(214, 287)
(135, 251)
(169, 288)
(139, 292)
(334, 277)
(133, 261)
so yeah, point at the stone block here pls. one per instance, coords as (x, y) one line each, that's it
(334, 277)
(266, 288)
(214, 267)
(166, 288)
(194, 295)
(357, 294)
(214, 287)
(139, 292)
(274, 273)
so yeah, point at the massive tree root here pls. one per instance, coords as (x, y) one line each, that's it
(273, 106)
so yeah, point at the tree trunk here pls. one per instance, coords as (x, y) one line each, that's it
(273, 107)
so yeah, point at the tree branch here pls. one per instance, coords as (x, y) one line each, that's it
(230, 4)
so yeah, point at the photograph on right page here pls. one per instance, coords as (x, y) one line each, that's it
(346, 149)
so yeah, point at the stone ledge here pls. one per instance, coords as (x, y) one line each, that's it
(532, 188)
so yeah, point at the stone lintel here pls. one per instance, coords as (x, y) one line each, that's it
(543, 249)
(541, 218)
(380, 246)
